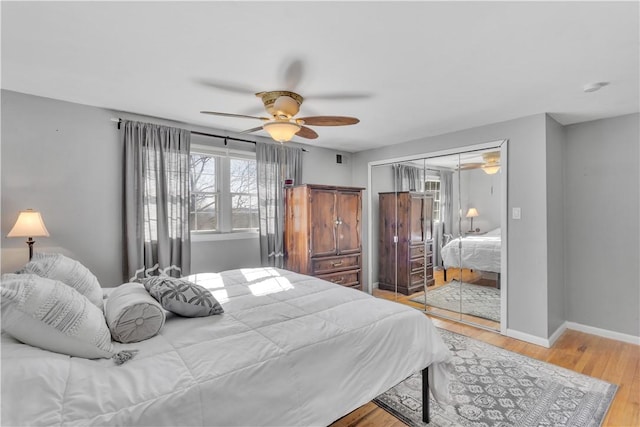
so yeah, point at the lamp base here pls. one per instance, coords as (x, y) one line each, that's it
(30, 242)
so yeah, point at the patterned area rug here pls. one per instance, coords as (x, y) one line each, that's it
(479, 301)
(495, 387)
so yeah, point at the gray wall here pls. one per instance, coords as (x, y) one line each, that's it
(555, 151)
(66, 160)
(483, 192)
(320, 167)
(527, 242)
(602, 252)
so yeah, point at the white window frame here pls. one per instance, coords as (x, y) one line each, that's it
(435, 178)
(223, 161)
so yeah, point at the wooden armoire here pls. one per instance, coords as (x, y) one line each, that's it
(405, 242)
(322, 232)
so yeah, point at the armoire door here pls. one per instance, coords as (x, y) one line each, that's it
(348, 214)
(323, 223)
(416, 218)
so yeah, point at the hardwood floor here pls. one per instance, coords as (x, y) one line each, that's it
(610, 360)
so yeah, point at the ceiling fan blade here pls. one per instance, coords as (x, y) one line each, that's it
(306, 132)
(293, 73)
(252, 130)
(329, 120)
(242, 116)
(469, 166)
(226, 86)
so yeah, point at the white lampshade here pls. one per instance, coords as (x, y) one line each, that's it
(281, 130)
(472, 213)
(29, 224)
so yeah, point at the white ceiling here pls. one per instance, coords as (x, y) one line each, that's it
(407, 70)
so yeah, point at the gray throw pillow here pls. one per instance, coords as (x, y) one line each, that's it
(182, 297)
(132, 314)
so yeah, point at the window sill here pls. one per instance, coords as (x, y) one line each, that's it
(212, 237)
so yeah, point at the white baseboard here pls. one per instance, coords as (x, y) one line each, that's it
(523, 336)
(631, 339)
(554, 337)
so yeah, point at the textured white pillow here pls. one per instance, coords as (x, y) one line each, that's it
(69, 272)
(49, 314)
(132, 314)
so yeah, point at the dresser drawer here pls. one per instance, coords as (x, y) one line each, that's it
(349, 278)
(334, 264)
(417, 265)
(428, 247)
(416, 278)
(416, 251)
(428, 259)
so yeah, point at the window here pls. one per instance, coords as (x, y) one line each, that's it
(432, 187)
(224, 191)
(204, 193)
(243, 188)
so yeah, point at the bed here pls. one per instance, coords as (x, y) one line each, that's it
(289, 350)
(479, 252)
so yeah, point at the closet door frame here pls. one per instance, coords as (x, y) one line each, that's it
(501, 144)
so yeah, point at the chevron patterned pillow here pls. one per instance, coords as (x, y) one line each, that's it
(182, 297)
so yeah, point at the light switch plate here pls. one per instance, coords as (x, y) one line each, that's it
(516, 213)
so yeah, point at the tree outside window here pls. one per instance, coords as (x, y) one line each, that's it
(224, 193)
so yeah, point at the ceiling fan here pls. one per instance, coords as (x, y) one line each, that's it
(282, 125)
(490, 163)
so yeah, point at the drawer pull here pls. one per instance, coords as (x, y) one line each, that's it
(336, 264)
(336, 281)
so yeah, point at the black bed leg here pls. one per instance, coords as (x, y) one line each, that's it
(425, 395)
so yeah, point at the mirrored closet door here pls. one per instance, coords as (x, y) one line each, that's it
(431, 219)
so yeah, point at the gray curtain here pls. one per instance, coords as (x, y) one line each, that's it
(408, 178)
(156, 190)
(446, 211)
(275, 163)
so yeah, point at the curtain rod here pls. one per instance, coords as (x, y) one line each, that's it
(211, 135)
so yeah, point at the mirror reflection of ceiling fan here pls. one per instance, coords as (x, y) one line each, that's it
(490, 163)
(282, 125)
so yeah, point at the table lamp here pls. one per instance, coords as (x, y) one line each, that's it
(472, 213)
(29, 224)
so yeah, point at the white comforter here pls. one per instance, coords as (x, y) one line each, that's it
(289, 350)
(478, 253)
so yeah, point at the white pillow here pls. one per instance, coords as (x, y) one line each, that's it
(132, 314)
(49, 314)
(69, 272)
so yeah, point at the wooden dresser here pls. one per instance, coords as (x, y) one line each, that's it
(406, 226)
(322, 232)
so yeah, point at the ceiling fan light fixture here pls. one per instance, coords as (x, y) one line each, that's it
(281, 130)
(490, 169)
(286, 105)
